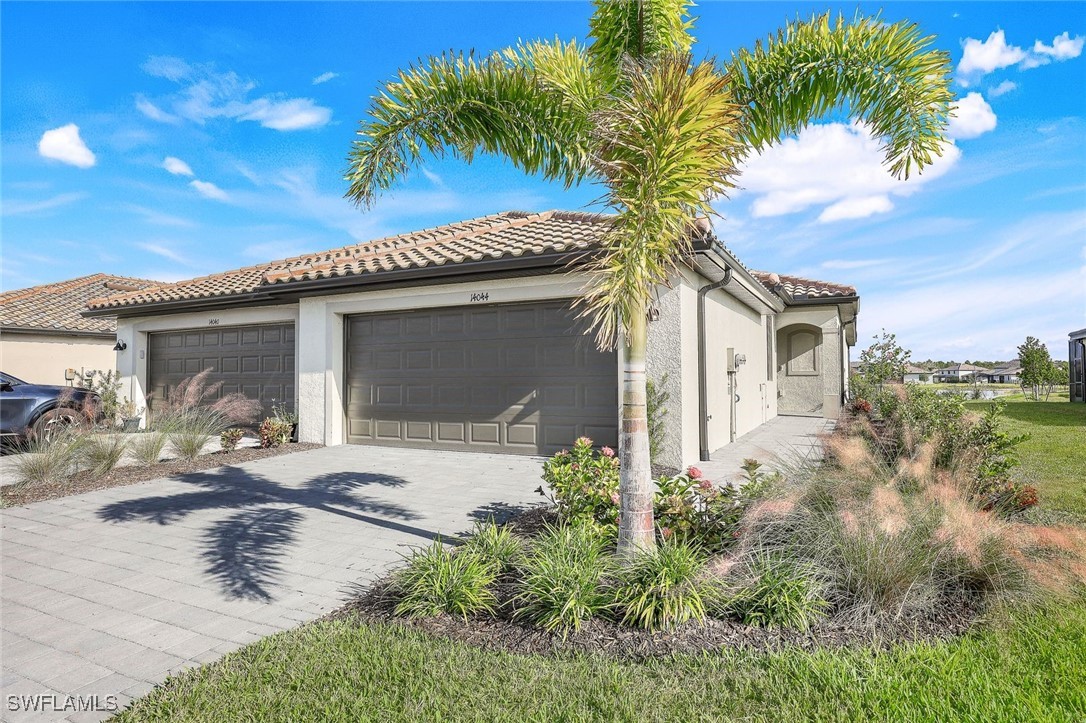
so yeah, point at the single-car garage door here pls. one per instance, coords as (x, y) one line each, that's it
(257, 361)
(518, 378)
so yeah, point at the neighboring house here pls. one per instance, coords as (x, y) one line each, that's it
(958, 373)
(916, 375)
(1076, 348)
(462, 337)
(43, 333)
(1004, 373)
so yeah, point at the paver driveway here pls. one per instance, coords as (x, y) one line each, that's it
(108, 592)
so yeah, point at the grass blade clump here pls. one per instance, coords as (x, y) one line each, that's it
(662, 588)
(43, 459)
(495, 543)
(438, 579)
(562, 578)
(103, 452)
(147, 447)
(190, 431)
(775, 593)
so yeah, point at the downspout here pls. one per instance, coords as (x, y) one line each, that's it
(703, 418)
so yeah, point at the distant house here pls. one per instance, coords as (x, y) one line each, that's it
(1007, 373)
(916, 375)
(43, 333)
(1077, 356)
(959, 373)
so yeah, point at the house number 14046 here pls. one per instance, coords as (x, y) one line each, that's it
(480, 296)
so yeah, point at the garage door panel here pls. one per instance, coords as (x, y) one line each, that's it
(513, 378)
(257, 361)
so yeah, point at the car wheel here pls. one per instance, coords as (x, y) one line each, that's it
(53, 423)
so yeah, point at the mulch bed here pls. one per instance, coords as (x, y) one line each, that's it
(376, 604)
(85, 481)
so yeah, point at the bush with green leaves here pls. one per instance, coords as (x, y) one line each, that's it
(688, 507)
(107, 384)
(774, 593)
(230, 438)
(662, 587)
(439, 579)
(147, 447)
(496, 543)
(102, 452)
(562, 578)
(274, 432)
(583, 484)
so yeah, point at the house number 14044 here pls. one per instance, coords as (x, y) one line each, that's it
(212, 322)
(480, 296)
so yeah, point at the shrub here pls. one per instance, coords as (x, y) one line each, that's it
(229, 439)
(190, 431)
(495, 543)
(108, 386)
(584, 484)
(661, 588)
(147, 447)
(274, 432)
(47, 459)
(774, 593)
(439, 580)
(103, 452)
(561, 583)
(688, 507)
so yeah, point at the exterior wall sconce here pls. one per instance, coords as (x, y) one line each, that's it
(654, 314)
(120, 345)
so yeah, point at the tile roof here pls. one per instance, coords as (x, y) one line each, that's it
(56, 307)
(798, 287)
(499, 236)
(502, 235)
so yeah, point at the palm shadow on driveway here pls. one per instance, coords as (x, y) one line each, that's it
(242, 552)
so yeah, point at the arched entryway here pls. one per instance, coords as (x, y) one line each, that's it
(800, 370)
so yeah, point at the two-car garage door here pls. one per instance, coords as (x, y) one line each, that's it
(518, 378)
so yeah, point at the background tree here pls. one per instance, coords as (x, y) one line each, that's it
(884, 360)
(661, 133)
(1038, 371)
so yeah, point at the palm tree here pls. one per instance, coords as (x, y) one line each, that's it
(662, 133)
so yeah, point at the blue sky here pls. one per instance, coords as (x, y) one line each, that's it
(172, 140)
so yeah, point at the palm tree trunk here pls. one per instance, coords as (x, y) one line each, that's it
(635, 528)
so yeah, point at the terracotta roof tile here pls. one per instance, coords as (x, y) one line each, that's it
(56, 307)
(800, 288)
(504, 235)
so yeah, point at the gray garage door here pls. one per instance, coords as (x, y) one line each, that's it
(519, 378)
(257, 361)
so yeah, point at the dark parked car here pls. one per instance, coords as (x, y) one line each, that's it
(36, 409)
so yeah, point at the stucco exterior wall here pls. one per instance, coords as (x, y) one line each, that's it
(132, 362)
(830, 381)
(42, 358)
(664, 366)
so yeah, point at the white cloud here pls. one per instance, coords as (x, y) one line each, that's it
(64, 144)
(158, 218)
(168, 67)
(209, 190)
(287, 115)
(433, 178)
(856, 208)
(973, 117)
(1063, 47)
(324, 77)
(207, 93)
(155, 113)
(1002, 89)
(835, 166)
(982, 57)
(164, 251)
(176, 166)
(15, 207)
(988, 55)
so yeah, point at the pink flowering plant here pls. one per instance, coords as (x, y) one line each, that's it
(583, 484)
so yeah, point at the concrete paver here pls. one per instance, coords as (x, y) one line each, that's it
(779, 442)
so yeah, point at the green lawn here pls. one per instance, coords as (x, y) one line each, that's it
(1024, 665)
(1054, 458)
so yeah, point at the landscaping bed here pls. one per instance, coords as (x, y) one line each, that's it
(87, 481)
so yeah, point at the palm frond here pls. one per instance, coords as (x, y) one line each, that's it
(667, 146)
(530, 104)
(638, 29)
(885, 74)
